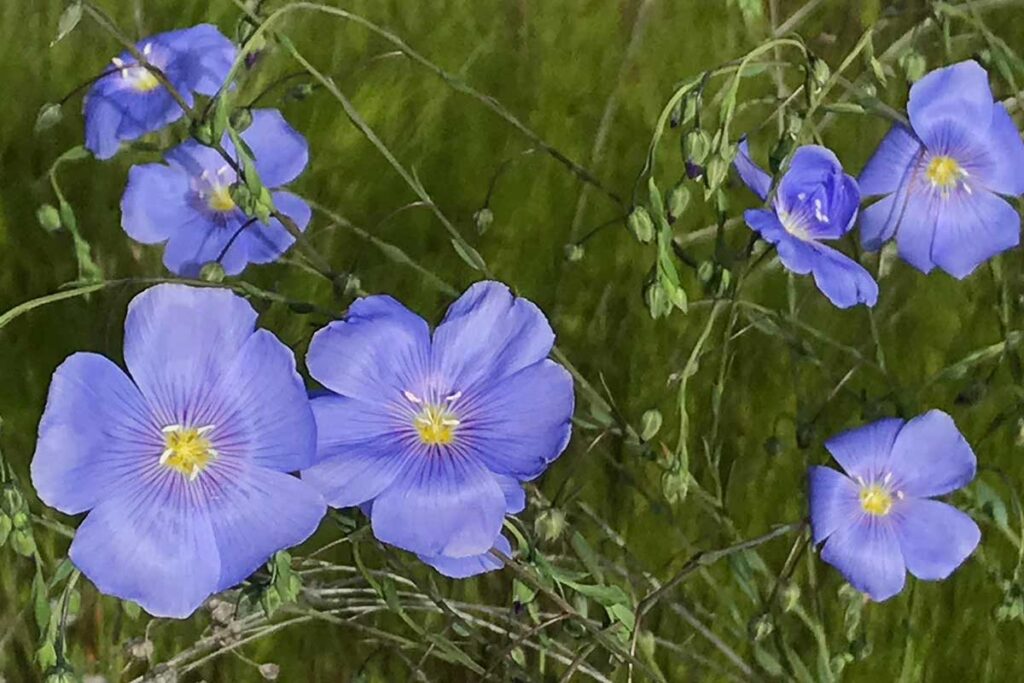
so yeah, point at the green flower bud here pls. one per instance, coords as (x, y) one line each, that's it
(48, 217)
(23, 543)
(790, 596)
(483, 219)
(678, 199)
(717, 170)
(49, 116)
(820, 72)
(212, 272)
(761, 627)
(650, 423)
(5, 528)
(914, 65)
(550, 525)
(641, 225)
(241, 118)
(696, 146)
(11, 500)
(658, 303)
(574, 252)
(674, 485)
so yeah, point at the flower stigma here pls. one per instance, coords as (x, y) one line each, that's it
(435, 423)
(187, 449)
(944, 172)
(877, 498)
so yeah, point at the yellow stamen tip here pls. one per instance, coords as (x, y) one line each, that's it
(220, 200)
(944, 171)
(875, 500)
(436, 426)
(187, 450)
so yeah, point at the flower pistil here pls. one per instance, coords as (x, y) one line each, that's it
(187, 449)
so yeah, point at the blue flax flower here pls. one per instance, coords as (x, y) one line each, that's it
(187, 202)
(128, 101)
(815, 201)
(878, 518)
(181, 462)
(943, 175)
(432, 434)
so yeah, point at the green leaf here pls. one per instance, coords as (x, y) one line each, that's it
(68, 21)
(40, 601)
(470, 255)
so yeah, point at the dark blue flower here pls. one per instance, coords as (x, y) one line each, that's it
(815, 201)
(182, 462)
(432, 434)
(943, 176)
(129, 101)
(187, 203)
(878, 519)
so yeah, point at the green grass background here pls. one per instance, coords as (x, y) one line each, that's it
(564, 68)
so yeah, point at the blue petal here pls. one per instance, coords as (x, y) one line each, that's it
(155, 203)
(817, 192)
(1005, 155)
(959, 92)
(917, 228)
(358, 449)
(102, 118)
(844, 281)
(515, 496)
(930, 457)
(150, 545)
(863, 452)
(254, 513)
(756, 178)
(442, 504)
(280, 152)
(972, 228)
(179, 341)
(260, 408)
(380, 350)
(265, 243)
(203, 56)
(518, 426)
(96, 432)
(868, 554)
(834, 501)
(935, 538)
(765, 223)
(202, 240)
(810, 166)
(464, 567)
(892, 164)
(489, 334)
(879, 221)
(797, 255)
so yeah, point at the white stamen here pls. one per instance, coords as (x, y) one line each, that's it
(168, 452)
(450, 422)
(196, 469)
(411, 397)
(899, 495)
(802, 196)
(818, 213)
(454, 397)
(887, 478)
(212, 452)
(860, 480)
(171, 428)
(203, 431)
(423, 420)
(119, 63)
(147, 49)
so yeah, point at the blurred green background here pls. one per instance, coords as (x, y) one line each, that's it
(590, 77)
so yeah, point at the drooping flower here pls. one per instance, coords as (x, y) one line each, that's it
(879, 519)
(187, 202)
(432, 434)
(129, 101)
(943, 176)
(814, 202)
(182, 462)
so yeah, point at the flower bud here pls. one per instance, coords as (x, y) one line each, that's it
(270, 671)
(650, 423)
(550, 524)
(48, 217)
(820, 72)
(483, 218)
(696, 146)
(761, 627)
(23, 543)
(678, 199)
(212, 272)
(641, 225)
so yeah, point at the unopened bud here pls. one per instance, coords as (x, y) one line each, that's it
(48, 217)
(696, 146)
(641, 225)
(550, 524)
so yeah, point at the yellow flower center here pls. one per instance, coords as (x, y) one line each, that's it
(875, 500)
(187, 449)
(143, 79)
(944, 172)
(436, 426)
(220, 199)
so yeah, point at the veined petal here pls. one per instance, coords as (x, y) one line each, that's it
(254, 512)
(464, 567)
(266, 242)
(844, 281)
(960, 91)
(201, 241)
(489, 334)
(1005, 152)
(359, 453)
(155, 203)
(515, 496)
(96, 433)
(380, 350)
(879, 221)
(972, 228)
(102, 119)
(150, 544)
(766, 224)
(864, 451)
(753, 176)
(834, 501)
(892, 164)
(916, 227)
(930, 457)
(935, 538)
(280, 152)
(441, 504)
(868, 554)
(179, 341)
(259, 408)
(518, 426)
(202, 56)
